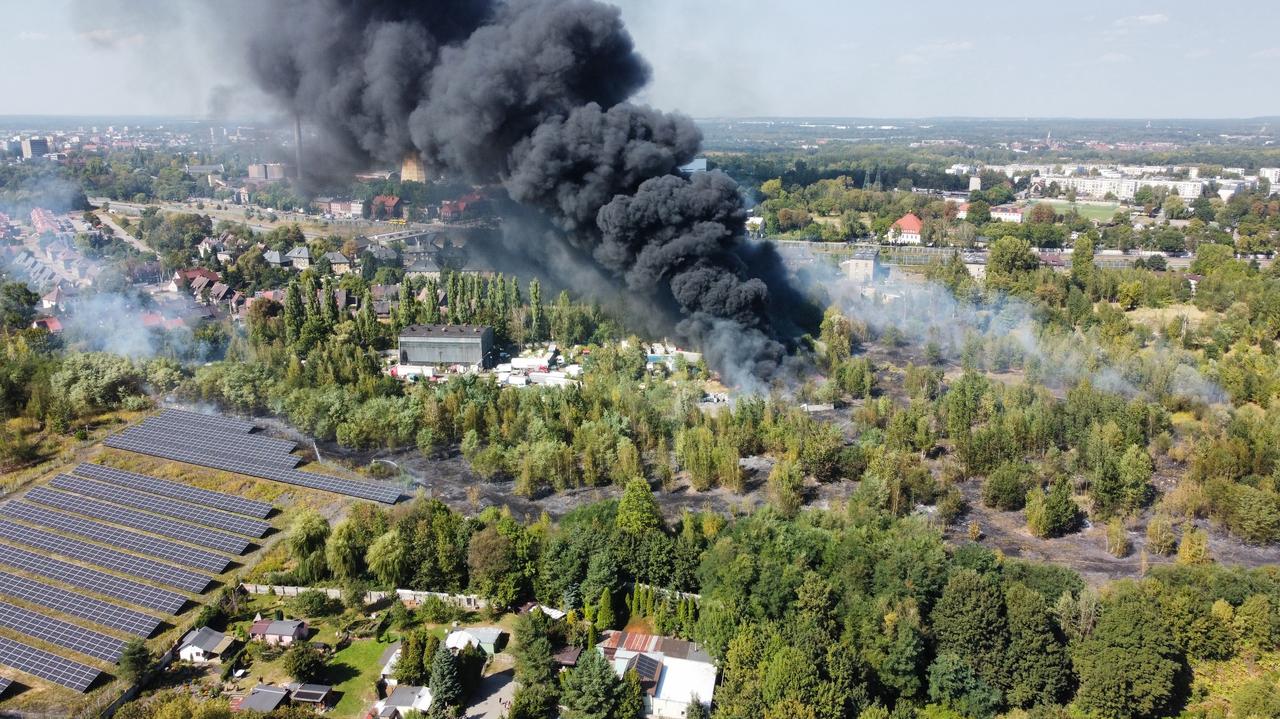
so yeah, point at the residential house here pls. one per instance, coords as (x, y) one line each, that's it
(402, 700)
(1007, 213)
(262, 698)
(490, 639)
(907, 229)
(299, 257)
(861, 268)
(385, 207)
(381, 253)
(204, 645)
(275, 259)
(338, 262)
(672, 671)
(423, 267)
(183, 278)
(53, 299)
(281, 632)
(53, 326)
(976, 264)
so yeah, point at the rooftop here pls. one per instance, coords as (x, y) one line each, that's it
(443, 330)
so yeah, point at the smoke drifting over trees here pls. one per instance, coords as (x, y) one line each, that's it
(531, 94)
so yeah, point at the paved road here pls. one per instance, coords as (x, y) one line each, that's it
(493, 696)
(124, 235)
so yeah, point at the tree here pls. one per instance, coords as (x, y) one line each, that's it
(388, 558)
(638, 512)
(1052, 514)
(630, 697)
(952, 682)
(1040, 670)
(308, 534)
(411, 667)
(304, 662)
(1082, 269)
(534, 658)
(591, 689)
(785, 484)
(969, 621)
(605, 618)
(1160, 537)
(1010, 257)
(1129, 666)
(135, 660)
(445, 685)
(1006, 487)
(344, 551)
(17, 306)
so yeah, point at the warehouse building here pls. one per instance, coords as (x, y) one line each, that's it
(445, 345)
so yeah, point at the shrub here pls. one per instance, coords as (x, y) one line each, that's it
(1052, 514)
(313, 603)
(1118, 544)
(1160, 537)
(1005, 488)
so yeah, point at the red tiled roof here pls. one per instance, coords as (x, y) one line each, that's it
(909, 224)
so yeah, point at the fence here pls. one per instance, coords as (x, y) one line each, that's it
(469, 602)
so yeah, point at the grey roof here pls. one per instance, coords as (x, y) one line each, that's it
(336, 258)
(404, 695)
(866, 253)
(204, 638)
(272, 257)
(299, 253)
(264, 698)
(312, 693)
(444, 331)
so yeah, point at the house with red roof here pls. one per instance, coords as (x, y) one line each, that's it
(384, 207)
(907, 230)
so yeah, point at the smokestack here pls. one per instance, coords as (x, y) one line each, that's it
(297, 145)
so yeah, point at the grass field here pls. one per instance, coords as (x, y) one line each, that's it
(1089, 211)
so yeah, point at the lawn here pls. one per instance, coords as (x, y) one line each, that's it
(354, 671)
(1088, 211)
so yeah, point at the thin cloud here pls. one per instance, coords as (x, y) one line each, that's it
(922, 54)
(106, 38)
(33, 36)
(1114, 58)
(1266, 54)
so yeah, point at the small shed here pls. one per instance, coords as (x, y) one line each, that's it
(204, 645)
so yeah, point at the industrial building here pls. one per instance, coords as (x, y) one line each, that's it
(862, 266)
(446, 345)
(412, 170)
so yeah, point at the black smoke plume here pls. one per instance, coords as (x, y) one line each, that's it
(532, 95)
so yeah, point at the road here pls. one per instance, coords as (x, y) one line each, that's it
(123, 235)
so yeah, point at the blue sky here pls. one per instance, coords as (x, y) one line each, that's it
(760, 57)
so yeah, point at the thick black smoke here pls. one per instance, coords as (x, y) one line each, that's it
(532, 94)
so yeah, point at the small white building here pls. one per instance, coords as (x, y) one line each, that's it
(490, 639)
(907, 230)
(861, 267)
(402, 700)
(204, 645)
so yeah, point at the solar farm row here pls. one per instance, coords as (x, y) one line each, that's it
(349, 487)
(74, 575)
(162, 505)
(175, 490)
(78, 605)
(51, 667)
(63, 634)
(116, 537)
(229, 424)
(4, 685)
(140, 567)
(213, 446)
(179, 426)
(139, 520)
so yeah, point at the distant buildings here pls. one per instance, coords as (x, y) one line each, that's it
(33, 147)
(698, 164)
(412, 170)
(907, 229)
(268, 171)
(1007, 213)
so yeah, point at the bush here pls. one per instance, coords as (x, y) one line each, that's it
(1160, 537)
(1118, 544)
(1005, 488)
(951, 506)
(313, 603)
(1053, 514)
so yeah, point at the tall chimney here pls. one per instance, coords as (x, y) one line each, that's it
(297, 145)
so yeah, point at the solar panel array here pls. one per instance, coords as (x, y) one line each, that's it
(141, 567)
(229, 424)
(143, 595)
(161, 505)
(63, 634)
(4, 685)
(175, 448)
(51, 667)
(116, 537)
(108, 519)
(175, 490)
(139, 520)
(179, 426)
(78, 605)
(215, 446)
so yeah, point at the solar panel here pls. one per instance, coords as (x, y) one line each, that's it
(78, 605)
(109, 585)
(63, 634)
(116, 537)
(212, 420)
(140, 567)
(244, 448)
(161, 505)
(388, 494)
(4, 685)
(175, 490)
(126, 517)
(50, 667)
(182, 427)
